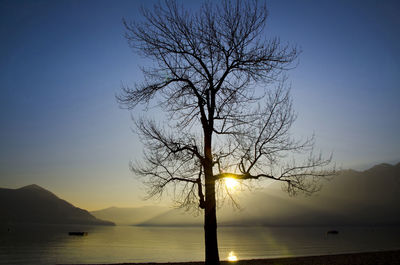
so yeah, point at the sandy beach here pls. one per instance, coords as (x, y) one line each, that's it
(367, 258)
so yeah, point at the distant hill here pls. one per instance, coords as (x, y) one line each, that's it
(34, 204)
(174, 217)
(370, 197)
(129, 216)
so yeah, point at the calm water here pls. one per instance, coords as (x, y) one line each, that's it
(52, 245)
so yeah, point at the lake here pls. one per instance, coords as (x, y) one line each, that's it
(51, 244)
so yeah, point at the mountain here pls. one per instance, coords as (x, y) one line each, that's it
(34, 204)
(174, 217)
(129, 216)
(370, 197)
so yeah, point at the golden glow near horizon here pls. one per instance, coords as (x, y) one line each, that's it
(232, 256)
(231, 184)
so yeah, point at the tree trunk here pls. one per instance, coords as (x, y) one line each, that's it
(210, 211)
(210, 225)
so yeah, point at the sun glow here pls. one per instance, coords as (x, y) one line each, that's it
(231, 184)
(232, 256)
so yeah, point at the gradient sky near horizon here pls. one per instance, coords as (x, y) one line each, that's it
(62, 62)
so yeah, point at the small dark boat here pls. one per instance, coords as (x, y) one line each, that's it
(78, 233)
(332, 232)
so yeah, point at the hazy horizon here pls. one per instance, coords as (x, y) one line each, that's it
(167, 203)
(352, 198)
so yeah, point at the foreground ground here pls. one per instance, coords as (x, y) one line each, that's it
(370, 258)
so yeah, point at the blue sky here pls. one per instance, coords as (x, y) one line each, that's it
(62, 62)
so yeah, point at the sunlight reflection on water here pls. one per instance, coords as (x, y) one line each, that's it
(232, 256)
(123, 244)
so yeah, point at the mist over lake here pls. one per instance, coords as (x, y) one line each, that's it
(51, 244)
(268, 226)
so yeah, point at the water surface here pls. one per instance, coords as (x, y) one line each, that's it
(51, 244)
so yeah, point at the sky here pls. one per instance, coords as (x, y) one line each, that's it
(63, 62)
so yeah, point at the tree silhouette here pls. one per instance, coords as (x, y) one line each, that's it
(229, 109)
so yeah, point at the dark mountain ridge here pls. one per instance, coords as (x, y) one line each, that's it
(34, 204)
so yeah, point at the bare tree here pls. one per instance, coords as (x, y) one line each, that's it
(222, 85)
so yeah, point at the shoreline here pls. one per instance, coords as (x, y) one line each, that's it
(363, 258)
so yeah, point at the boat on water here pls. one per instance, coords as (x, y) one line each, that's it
(78, 233)
(332, 232)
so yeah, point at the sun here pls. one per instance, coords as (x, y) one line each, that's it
(231, 184)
